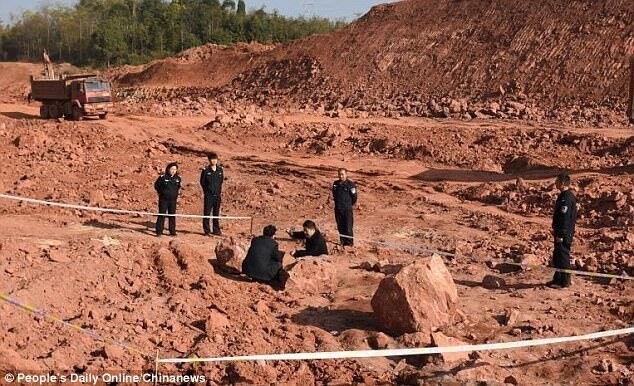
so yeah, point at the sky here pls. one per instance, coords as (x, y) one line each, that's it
(334, 9)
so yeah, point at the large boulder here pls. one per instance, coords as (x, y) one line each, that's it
(230, 254)
(421, 297)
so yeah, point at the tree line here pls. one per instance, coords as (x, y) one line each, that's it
(108, 32)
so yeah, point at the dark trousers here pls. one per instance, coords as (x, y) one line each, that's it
(345, 222)
(212, 205)
(278, 283)
(561, 259)
(166, 206)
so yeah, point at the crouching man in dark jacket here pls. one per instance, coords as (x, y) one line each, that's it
(315, 242)
(167, 186)
(264, 260)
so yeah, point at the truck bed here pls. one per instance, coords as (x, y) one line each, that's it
(49, 89)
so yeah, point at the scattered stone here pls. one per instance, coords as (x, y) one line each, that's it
(441, 340)
(113, 352)
(379, 341)
(97, 198)
(415, 340)
(510, 317)
(493, 282)
(215, 321)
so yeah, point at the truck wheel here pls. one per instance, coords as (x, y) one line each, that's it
(78, 115)
(53, 111)
(44, 112)
(103, 116)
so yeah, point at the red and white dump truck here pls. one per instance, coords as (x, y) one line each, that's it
(73, 97)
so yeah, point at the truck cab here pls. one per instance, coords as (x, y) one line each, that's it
(93, 94)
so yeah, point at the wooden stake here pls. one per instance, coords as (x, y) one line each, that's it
(156, 364)
(630, 109)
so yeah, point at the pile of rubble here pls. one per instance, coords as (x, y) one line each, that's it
(602, 201)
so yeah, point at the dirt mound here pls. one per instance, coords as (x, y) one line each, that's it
(549, 50)
(14, 82)
(209, 65)
(477, 59)
(524, 163)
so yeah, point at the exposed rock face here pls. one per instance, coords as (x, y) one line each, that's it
(417, 299)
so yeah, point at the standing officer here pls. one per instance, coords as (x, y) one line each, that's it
(167, 186)
(564, 219)
(211, 180)
(344, 193)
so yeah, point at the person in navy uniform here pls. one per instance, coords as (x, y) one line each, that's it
(344, 193)
(211, 179)
(564, 220)
(167, 186)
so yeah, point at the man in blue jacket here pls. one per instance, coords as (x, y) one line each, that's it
(167, 186)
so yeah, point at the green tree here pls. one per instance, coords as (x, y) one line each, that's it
(242, 8)
(106, 32)
(110, 42)
(228, 5)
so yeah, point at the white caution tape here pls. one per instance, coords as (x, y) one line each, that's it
(412, 248)
(573, 272)
(392, 244)
(404, 352)
(116, 211)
